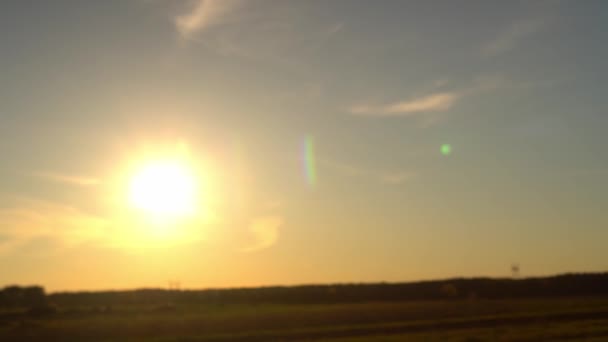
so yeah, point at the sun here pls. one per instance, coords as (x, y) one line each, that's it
(164, 189)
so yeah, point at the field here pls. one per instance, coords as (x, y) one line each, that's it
(575, 318)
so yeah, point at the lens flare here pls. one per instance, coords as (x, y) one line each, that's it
(446, 149)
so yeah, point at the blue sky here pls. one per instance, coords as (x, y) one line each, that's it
(516, 89)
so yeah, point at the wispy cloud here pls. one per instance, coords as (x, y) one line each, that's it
(265, 231)
(68, 179)
(395, 177)
(264, 31)
(434, 102)
(428, 108)
(428, 103)
(513, 35)
(204, 14)
(30, 219)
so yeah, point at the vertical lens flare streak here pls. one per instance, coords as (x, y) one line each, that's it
(309, 160)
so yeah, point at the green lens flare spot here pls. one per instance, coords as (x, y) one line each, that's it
(446, 149)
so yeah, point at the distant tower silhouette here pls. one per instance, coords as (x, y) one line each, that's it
(515, 271)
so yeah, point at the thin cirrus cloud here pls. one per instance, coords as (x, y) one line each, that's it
(395, 177)
(204, 14)
(67, 179)
(265, 231)
(512, 36)
(429, 103)
(427, 106)
(31, 219)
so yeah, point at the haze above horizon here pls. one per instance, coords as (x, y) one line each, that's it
(229, 143)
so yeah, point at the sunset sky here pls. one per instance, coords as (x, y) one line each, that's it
(323, 141)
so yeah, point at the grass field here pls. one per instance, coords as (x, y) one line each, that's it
(458, 320)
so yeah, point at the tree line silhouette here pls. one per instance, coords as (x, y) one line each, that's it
(556, 286)
(17, 297)
(591, 284)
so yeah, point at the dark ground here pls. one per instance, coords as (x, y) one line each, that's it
(569, 307)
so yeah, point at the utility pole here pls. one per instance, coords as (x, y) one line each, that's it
(515, 271)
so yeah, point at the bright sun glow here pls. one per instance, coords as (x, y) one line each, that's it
(164, 189)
